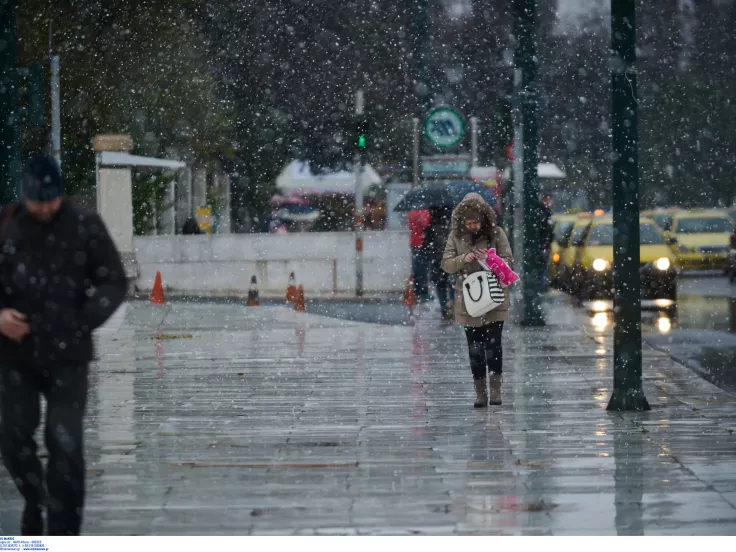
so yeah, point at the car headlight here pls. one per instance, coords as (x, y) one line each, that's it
(556, 258)
(599, 265)
(663, 263)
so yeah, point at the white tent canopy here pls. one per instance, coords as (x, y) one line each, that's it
(297, 177)
(122, 159)
(544, 170)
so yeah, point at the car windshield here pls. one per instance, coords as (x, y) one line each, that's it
(663, 220)
(705, 225)
(563, 231)
(650, 235)
(602, 235)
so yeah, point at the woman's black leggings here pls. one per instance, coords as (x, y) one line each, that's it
(486, 351)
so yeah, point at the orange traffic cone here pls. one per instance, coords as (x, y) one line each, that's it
(157, 295)
(253, 300)
(300, 305)
(291, 291)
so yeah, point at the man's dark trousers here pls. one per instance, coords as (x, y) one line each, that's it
(65, 389)
(420, 269)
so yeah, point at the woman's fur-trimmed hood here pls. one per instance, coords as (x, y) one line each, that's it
(474, 203)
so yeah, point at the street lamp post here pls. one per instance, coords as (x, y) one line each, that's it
(525, 14)
(627, 359)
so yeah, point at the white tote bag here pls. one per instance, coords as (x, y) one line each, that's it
(481, 292)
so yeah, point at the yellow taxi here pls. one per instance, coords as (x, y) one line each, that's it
(594, 262)
(565, 273)
(563, 225)
(702, 238)
(662, 217)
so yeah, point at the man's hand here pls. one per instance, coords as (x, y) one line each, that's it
(470, 257)
(13, 324)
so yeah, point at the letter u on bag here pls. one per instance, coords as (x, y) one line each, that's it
(468, 287)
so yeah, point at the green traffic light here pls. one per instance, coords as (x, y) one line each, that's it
(362, 142)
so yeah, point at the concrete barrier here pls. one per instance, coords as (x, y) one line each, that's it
(323, 262)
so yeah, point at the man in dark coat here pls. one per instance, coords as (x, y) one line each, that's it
(60, 278)
(436, 238)
(546, 235)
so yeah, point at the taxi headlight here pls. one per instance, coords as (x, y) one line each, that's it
(663, 263)
(599, 265)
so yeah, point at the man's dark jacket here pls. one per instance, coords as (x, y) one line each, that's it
(66, 276)
(546, 230)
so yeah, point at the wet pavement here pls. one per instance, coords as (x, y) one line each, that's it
(709, 284)
(218, 419)
(706, 303)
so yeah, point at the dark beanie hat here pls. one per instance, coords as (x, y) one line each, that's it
(41, 179)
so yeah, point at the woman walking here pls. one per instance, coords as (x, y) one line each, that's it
(474, 232)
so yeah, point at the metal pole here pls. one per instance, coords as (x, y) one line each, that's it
(515, 211)
(55, 110)
(419, 32)
(474, 141)
(190, 187)
(55, 100)
(359, 108)
(627, 362)
(415, 155)
(526, 35)
(9, 123)
(98, 192)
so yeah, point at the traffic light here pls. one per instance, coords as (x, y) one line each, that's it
(362, 133)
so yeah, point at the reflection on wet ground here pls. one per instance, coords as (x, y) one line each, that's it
(661, 317)
(703, 304)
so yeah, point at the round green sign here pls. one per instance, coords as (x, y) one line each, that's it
(444, 127)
